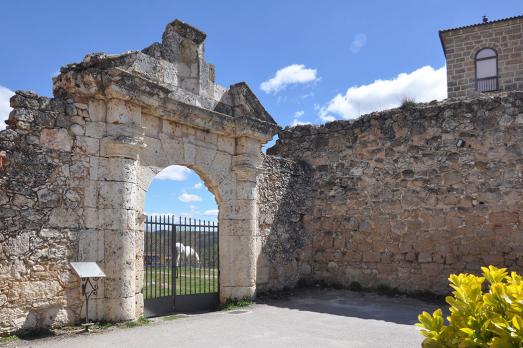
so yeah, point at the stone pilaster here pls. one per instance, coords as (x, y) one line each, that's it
(239, 228)
(118, 200)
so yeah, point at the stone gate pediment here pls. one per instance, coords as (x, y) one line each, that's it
(165, 80)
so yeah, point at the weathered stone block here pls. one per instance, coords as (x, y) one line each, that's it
(17, 247)
(231, 227)
(77, 129)
(66, 217)
(120, 309)
(117, 169)
(239, 209)
(56, 139)
(119, 112)
(371, 256)
(118, 195)
(115, 219)
(95, 130)
(425, 257)
(91, 245)
(503, 218)
(97, 110)
(237, 256)
(87, 145)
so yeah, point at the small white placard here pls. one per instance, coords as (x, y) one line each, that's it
(87, 269)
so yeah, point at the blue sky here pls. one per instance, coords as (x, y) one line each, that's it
(180, 191)
(307, 61)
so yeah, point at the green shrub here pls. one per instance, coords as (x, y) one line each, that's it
(231, 304)
(480, 315)
(9, 339)
(408, 102)
(141, 321)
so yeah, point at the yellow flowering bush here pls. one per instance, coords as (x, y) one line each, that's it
(481, 315)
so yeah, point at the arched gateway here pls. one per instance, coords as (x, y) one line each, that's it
(156, 108)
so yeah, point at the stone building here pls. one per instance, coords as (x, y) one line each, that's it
(484, 57)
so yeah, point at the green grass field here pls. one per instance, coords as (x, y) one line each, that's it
(158, 281)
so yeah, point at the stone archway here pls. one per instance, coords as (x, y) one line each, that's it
(145, 115)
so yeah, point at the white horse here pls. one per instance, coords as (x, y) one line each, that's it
(191, 254)
(188, 254)
(180, 250)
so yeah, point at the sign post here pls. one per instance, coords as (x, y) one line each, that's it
(89, 273)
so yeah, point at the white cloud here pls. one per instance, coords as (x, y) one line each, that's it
(299, 123)
(5, 109)
(307, 95)
(358, 42)
(422, 85)
(189, 197)
(299, 114)
(176, 173)
(191, 214)
(281, 99)
(296, 122)
(198, 185)
(292, 74)
(327, 118)
(212, 212)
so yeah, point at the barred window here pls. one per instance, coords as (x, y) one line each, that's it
(486, 70)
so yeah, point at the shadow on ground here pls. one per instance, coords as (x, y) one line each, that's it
(363, 305)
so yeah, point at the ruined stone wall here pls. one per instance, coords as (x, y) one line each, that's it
(282, 189)
(77, 168)
(407, 196)
(40, 188)
(60, 202)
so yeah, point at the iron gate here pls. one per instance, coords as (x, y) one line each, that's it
(181, 265)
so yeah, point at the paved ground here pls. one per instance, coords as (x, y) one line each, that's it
(312, 318)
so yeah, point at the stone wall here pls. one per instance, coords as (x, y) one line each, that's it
(282, 190)
(461, 46)
(40, 188)
(407, 196)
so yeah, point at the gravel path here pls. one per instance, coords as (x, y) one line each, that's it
(311, 318)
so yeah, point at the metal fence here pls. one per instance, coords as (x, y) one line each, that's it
(197, 258)
(181, 264)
